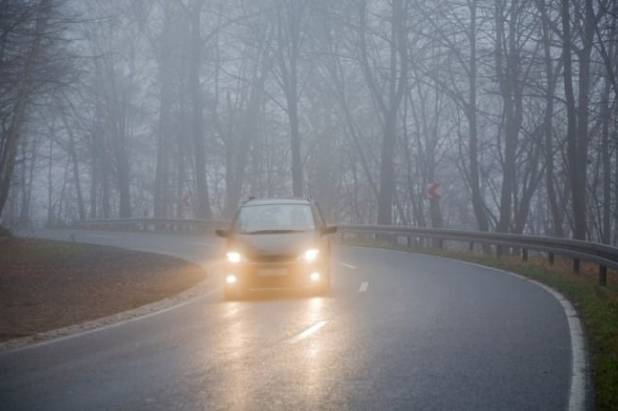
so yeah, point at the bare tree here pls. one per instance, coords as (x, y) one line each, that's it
(387, 90)
(289, 17)
(37, 16)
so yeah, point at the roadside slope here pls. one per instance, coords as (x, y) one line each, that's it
(46, 285)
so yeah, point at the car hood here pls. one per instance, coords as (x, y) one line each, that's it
(270, 245)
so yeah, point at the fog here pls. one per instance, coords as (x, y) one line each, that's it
(492, 115)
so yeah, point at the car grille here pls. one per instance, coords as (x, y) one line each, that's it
(272, 282)
(272, 258)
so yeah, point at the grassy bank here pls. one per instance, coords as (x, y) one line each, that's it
(45, 285)
(597, 306)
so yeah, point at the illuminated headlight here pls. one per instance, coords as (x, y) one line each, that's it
(231, 279)
(233, 257)
(311, 255)
(314, 277)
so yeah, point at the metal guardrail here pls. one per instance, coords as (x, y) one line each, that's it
(153, 225)
(603, 255)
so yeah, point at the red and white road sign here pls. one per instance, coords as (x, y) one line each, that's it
(432, 191)
(186, 200)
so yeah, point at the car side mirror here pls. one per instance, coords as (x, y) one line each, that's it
(221, 233)
(332, 229)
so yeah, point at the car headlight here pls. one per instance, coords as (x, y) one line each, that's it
(310, 255)
(234, 257)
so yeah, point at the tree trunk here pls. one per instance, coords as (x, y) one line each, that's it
(75, 167)
(508, 73)
(289, 32)
(581, 152)
(121, 156)
(162, 173)
(551, 79)
(238, 159)
(577, 116)
(50, 184)
(578, 206)
(388, 101)
(478, 203)
(22, 101)
(387, 170)
(297, 166)
(203, 201)
(606, 165)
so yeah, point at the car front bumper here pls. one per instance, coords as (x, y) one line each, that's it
(258, 275)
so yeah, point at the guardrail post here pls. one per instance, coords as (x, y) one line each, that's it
(471, 246)
(576, 265)
(524, 255)
(602, 275)
(550, 258)
(498, 251)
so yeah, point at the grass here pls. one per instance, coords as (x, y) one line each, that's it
(35, 252)
(45, 285)
(597, 307)
(5, 233)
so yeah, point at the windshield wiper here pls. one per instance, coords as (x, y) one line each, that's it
(281, 231)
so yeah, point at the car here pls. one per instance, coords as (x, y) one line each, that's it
(277, 244)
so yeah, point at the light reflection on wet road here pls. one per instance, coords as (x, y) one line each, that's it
(424, 333)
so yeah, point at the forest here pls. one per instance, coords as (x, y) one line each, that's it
(489, 115)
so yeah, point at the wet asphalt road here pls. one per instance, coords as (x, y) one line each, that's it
(400, 331)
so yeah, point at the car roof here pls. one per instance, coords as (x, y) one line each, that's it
(267, 201)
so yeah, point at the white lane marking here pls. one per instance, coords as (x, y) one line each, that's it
(231, 312)
(346, 265)
(311, 330)
(363, 287)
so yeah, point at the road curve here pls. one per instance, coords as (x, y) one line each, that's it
(400, 331)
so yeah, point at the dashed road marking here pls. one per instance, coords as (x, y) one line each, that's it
(346, 265)
(232, 311)
(311, 330)
(363, 287)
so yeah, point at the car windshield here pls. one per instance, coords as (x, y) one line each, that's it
(274, 218)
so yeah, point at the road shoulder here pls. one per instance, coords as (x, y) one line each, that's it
(53, 289)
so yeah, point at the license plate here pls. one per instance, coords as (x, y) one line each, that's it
(272, 272)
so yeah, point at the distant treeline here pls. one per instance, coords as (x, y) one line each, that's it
(183, 108)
